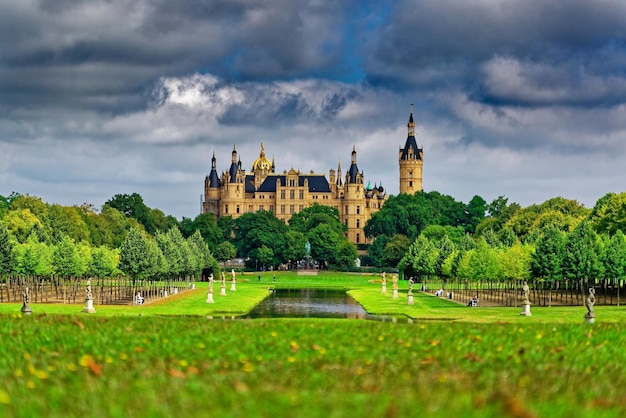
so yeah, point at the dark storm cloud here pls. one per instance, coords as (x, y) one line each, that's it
(444, 43)
(107, 55)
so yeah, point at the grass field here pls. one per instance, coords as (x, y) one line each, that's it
(170, 359)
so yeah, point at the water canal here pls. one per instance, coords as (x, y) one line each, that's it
(313, 303)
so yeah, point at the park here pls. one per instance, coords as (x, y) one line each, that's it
(181, 356)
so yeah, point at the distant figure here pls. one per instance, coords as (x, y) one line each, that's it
(88, 294)
(439, 292)
(259, 277)
(26, 296)
(473, 302)
(139, 298)
(591, 300)
(274, 278)
(525, 291)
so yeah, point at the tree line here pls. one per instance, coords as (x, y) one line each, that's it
(425, 233)
(558, 240)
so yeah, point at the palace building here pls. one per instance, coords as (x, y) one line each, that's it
(237, 191)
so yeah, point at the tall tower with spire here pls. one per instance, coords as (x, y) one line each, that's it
(411, 159)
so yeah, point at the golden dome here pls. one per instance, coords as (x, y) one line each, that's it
(262, 163)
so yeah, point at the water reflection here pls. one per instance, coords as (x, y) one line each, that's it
(312, 303)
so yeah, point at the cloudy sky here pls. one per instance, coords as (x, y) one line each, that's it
(525, 99)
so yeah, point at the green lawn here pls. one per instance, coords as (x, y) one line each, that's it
(180, 359)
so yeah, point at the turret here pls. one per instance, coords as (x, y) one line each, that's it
(410, 159)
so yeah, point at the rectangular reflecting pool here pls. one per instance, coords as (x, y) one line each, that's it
(313, 303)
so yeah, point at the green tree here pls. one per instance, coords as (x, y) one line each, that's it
(253, 230)
(103, 262)
(21, 222)
(547, 259)
(515, 261)
(609, 213)
(295, 246)
(345, 255)
(615, 256)
(265, 256)
(421, 257)
(207, 225)
(139, 255)
(324, 241)
(66, 259)
(314, 215)
(34, 257)
(474, 213)
(376, 249)
(5, 203)
(445, 247)
(482, 263)
(171, 248)
(7, 259)
(582, 252)
(395, 249)
(225, 251)
(132, 206)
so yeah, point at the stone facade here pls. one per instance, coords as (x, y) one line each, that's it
(237, 191)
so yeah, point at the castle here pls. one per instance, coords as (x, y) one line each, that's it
(237, 191)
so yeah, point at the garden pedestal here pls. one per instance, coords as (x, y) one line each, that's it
(89, 306)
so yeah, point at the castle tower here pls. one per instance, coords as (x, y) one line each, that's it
(212, 190)
(411, 159)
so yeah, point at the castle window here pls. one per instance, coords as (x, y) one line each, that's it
(358, 238)
(358, 210)
(292, 183)
(292, 209)
(410, 184)
(282, 209)
(410, 174)
(358, 223)
(272, 208)
(301, 194)
(225, 209)
(237, 210)
(292, 194)
(300, 208)
(260, 207)
(367, 204)
(346, 209)
(282, 194)
(250, 208)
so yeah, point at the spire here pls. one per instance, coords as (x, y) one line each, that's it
(234, 167)
(214, 180)
(354, 170)
(339, 175)
(411, 124)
